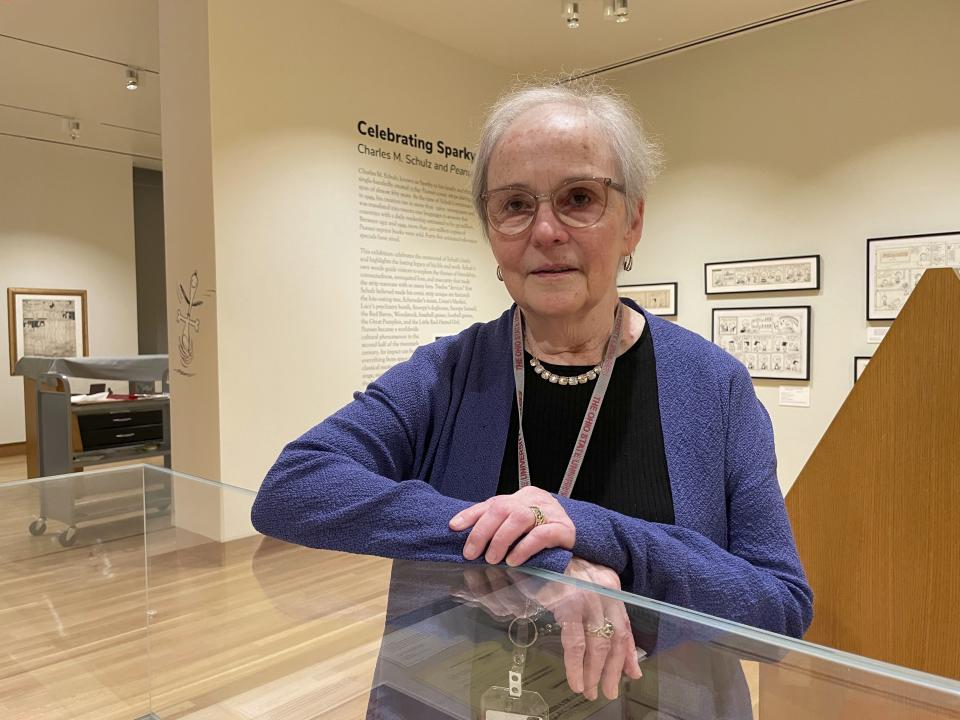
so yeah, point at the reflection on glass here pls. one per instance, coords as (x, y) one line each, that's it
(179, 609)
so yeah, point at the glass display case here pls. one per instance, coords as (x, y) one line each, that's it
(165, 603)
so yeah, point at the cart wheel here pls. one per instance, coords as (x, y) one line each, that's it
(68, 537)
(38, 527)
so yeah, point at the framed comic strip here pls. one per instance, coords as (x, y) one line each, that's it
(895, 265)
(859, 365)
(47, 323)
(772, 342)
(783, 274)
(655, 298)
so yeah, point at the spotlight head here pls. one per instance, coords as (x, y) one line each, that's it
(73, 128)
(133, 79)
(570, 12)
(621, 12)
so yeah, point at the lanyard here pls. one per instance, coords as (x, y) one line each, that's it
(589, 418)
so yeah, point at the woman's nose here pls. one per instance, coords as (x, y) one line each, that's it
(547, 228)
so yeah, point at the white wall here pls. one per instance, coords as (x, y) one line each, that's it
(803, 138)
(66, 221)
(288, 86)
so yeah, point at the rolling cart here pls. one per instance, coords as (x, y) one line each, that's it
(72, 436)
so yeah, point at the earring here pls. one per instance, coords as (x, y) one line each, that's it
(628, 262)
(499, 274)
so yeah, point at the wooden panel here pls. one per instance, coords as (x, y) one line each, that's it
(876, 509)
(801, 687)
(30, 426)
(13, 449)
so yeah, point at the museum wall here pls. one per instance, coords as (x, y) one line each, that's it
(66, 221)
(803, 138)
(325, 273)
(189, 250)
(290, 86)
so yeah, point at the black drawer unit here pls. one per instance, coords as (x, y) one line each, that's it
(113, 419)
(76, 435)
(113, 437)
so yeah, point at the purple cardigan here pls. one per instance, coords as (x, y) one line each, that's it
(384, 475)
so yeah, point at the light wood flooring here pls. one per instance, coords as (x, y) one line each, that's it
(250, 629)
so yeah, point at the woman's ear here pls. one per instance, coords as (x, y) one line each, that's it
(632, 237)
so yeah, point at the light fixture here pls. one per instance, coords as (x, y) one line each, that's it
(616, 10)
(570, 11)
(620, 11)
(72, 126)
(133, 78)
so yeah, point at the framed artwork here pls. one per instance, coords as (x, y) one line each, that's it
(47, 323)
(655, 298)
(772, 342)
(765, 275)
(895, 265)
(859, 365)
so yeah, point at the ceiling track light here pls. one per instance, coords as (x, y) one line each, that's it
(570, 12)
(72, 126)
(133, 78)
(616, 10)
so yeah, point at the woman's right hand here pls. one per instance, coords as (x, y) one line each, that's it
(592, 656)
(589, 658)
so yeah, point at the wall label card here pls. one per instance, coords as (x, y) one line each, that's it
(875, 335)
(791, 396)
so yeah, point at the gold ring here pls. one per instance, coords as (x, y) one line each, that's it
(538, 518)
(604, 631)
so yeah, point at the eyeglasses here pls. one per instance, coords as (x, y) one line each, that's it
(577, 204)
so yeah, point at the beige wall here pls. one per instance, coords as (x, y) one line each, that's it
(287, 85)
(66, 221)
(803, 138)
(189, 236)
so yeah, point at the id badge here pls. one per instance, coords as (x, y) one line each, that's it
(498, 704)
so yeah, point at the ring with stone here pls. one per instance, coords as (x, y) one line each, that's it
(538, 518)
(604, 631)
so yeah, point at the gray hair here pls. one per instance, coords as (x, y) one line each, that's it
(637, 156)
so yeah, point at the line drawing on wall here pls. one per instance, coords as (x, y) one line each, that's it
(191, 324)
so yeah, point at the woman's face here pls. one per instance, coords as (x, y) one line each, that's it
(551, 269)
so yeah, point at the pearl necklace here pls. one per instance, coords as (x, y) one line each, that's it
(564, 379)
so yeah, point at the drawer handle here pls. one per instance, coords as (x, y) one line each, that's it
(124, 435)
(122, 420)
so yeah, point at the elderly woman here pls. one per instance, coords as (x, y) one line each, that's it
(576, 432)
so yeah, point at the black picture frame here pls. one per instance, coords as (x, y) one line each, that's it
(655, 311)
(857, 371)
(755, 288)
(890, 315)
(758, 372)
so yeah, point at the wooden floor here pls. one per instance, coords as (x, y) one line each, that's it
(236, 630)
(254, 628)
(13, 468)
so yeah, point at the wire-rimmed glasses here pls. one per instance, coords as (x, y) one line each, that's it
(577, 203)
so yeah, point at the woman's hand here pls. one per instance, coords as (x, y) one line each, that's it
(497, 591)
(502, 520)
(598, 645)
(592, 654)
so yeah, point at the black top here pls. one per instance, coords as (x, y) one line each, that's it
(625, 466)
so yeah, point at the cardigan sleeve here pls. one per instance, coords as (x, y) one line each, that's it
(757, 580)
(347, 484)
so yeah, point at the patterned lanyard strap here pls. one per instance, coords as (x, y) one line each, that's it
(593, 409)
